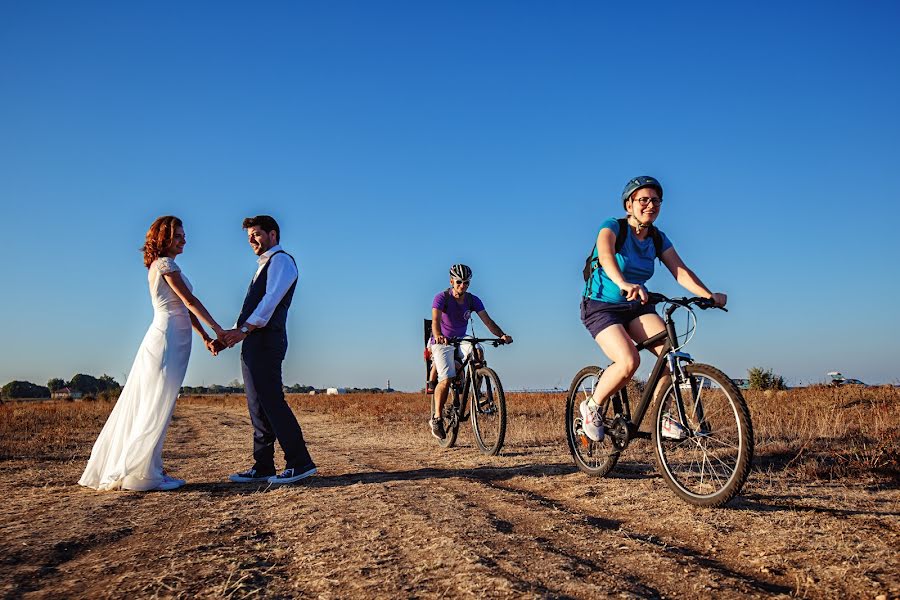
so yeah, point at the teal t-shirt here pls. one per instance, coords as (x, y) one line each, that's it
(635, 260)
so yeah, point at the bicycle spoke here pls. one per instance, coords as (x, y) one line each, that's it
(709, 465)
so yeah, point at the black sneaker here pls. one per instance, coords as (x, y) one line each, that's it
(437, 428)
(292, 475)
(251, 476)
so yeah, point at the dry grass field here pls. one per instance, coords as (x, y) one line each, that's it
(391, 514)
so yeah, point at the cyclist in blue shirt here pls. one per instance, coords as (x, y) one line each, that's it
(614, 304)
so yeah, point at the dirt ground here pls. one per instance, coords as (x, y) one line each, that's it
(391, 514)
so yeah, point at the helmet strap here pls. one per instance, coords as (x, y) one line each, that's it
(640, 226)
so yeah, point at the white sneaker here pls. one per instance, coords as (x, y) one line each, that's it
(672, 429)
(169, 483)
(590, 422)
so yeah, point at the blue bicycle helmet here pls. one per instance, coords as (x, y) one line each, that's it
(640, 182)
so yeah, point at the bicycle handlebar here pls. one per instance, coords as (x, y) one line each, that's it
(702, 303)
(456, 341)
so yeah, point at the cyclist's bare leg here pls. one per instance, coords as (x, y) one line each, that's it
(645, 327)
(440, 397)
(618, 346)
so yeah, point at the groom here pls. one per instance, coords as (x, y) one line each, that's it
(262, 330)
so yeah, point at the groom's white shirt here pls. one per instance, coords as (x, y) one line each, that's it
(281, 276)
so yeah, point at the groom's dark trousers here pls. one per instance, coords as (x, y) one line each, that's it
(262, 353)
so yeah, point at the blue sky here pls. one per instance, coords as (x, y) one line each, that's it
(393, 139)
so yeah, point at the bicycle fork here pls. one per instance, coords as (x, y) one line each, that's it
(676, 362)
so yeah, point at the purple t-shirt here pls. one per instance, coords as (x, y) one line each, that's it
(455, 316)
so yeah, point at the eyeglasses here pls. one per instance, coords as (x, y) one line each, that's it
(646, 201)
(461, 281)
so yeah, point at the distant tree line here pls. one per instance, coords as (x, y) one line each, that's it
(107, 388)
(87, 385)
(24, 389)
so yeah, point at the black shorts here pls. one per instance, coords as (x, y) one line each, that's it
(597, 315)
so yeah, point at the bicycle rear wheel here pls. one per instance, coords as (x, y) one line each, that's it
(706, 459)
(488, 412)
(594, 458)
(451, 418)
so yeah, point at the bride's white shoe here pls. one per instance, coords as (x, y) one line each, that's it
(169, 483)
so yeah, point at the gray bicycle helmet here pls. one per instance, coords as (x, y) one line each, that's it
(461, 271)
(639, 182)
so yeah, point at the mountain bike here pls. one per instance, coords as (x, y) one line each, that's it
(475, 388)
(701, 430)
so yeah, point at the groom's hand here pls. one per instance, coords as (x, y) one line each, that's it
(232, 337)
(215, 346)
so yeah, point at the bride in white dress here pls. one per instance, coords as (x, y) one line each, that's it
(128, 453)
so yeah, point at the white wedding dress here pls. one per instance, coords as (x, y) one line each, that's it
(128, 453)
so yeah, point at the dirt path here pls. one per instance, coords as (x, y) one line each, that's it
(393, 515)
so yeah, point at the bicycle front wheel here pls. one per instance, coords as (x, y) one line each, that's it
(488, 411)
(706, 458)
(594, 458)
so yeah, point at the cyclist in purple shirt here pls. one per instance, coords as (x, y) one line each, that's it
(450, 314)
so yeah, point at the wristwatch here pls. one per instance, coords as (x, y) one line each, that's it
(244, 330)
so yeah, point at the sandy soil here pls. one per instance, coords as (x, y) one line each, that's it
(392, 515)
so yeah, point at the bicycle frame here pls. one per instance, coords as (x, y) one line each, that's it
(465, 375)
(669, 357)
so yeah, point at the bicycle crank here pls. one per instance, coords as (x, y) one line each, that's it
(619, 433)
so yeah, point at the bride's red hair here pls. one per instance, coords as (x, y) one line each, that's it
(159, 238)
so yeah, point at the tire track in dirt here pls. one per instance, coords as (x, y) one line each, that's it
(560, 538)
(497, 554)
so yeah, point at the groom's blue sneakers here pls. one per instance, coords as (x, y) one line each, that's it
(251, 476)
(292, 475)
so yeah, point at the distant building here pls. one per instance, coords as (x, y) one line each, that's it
(335, 391)
(66, 394)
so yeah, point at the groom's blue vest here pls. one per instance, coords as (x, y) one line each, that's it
(255, 294)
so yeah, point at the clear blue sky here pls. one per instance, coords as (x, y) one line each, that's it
(392, 139)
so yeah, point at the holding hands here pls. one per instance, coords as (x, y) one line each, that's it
(214, 345)
(226, 338)
(235, 336)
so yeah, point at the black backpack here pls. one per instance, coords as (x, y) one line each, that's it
(592, 263)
